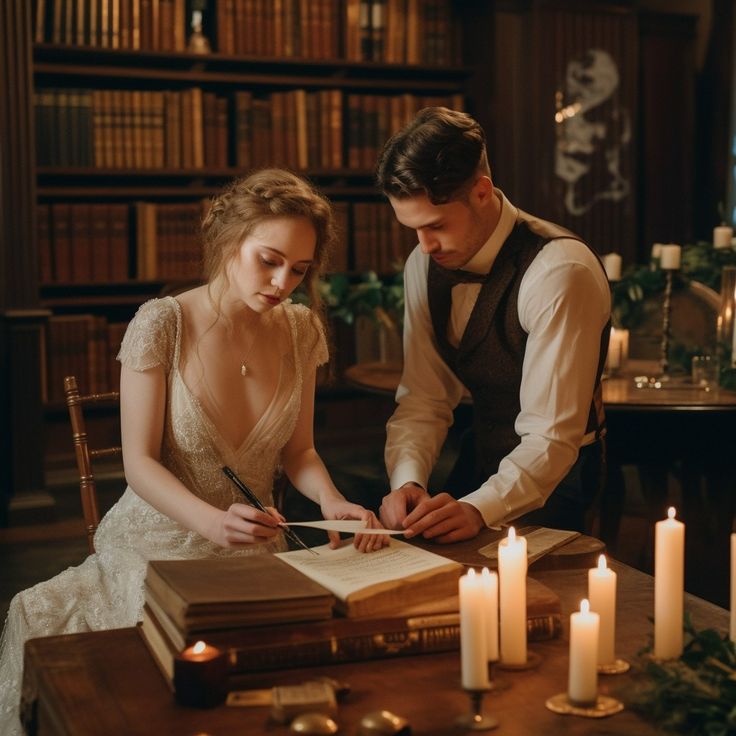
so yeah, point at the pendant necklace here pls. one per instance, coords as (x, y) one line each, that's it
(244, 370)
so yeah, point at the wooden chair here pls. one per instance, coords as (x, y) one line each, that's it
(85, 456)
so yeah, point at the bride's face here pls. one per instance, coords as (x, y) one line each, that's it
(272, 261)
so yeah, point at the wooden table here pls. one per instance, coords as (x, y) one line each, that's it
(106, 682)
(679, 430)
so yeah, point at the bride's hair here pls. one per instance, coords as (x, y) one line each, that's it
(246, 202)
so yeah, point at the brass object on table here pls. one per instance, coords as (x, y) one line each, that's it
(383, 723)
(604, 706)
(313, 724)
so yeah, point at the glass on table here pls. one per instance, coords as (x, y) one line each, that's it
(705, 371)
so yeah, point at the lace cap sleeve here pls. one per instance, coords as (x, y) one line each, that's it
(311, 336)
(150, 339)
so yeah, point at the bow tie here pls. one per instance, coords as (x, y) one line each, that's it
(459, 276)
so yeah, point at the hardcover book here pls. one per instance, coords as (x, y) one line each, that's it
(234, 592)
(424, 629)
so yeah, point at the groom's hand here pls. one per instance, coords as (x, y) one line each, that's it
(397, 504)
(443, 519)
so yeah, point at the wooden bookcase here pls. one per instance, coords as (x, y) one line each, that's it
(119, 140)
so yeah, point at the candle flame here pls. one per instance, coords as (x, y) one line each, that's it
(199, 647)
(671, 512)
(485, 572)
(471, 573)
(512, 535)
(585, 606)
(602, 562)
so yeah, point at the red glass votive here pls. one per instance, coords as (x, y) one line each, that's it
(200, 676)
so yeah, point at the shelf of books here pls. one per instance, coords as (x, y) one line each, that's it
(144, 108)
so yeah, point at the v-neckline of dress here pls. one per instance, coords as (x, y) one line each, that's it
(226, 442)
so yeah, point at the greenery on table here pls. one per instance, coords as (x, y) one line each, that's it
(695, 694)
(701, 262)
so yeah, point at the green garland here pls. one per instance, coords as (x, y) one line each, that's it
(695, 694)
(700, 262)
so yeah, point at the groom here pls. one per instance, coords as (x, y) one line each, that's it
(514, 308)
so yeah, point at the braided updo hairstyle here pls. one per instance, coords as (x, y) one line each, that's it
(247, 202)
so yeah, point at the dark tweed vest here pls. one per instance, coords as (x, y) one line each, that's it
(489, 357)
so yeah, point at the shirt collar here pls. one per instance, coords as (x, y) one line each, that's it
(482, 261)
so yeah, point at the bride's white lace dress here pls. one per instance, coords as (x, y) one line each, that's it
(106, 590)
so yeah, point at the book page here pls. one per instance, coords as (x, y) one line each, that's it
(346, 570)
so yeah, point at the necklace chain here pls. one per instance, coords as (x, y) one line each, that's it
(244, 369)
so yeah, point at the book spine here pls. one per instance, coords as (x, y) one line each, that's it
(442, 637)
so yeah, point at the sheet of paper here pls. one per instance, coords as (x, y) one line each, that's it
(348, 526)
(538, 543)
(345, 569)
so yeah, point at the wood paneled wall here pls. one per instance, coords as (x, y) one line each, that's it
(21, 321)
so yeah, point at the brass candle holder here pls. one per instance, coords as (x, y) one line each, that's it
(475, 719)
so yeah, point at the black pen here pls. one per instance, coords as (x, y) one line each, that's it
(255, 501)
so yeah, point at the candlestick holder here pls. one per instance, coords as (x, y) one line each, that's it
(617, 667)
(603, 706)
(663, 378)
(475, 719)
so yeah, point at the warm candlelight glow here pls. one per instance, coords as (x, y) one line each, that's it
(585, 606)
(602, 597)
(669, 564)
(512, 565)
(199, 647)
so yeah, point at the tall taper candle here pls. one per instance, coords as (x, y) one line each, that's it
(669, 586)
(602, 595)
(733, 587)
(489, 582)
(473, 659)
(512, 566)
(582, 683)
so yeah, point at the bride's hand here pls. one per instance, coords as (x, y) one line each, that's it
(342, 509)
(243, 524)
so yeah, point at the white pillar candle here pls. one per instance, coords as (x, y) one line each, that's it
(512, 566)
(489, 582)
(602, 596)
(612, 265)
(670, 257)
(722, 236)
(473, 659)
(669, 585)
(582, 683)
(618, 348)
(733, 588)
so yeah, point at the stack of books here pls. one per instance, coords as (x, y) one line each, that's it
(294, 609)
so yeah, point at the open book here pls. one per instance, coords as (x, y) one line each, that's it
(383, 581)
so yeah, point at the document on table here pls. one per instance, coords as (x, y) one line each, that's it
(348, 526)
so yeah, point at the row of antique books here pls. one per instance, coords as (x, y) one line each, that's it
(292, 610)
(193, 128)
(145, 25)
(81, 243)
(85, 346)
(392, 31)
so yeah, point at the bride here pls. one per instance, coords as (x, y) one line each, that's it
(222, 374)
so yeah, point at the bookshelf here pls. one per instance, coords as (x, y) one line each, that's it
(124, 134)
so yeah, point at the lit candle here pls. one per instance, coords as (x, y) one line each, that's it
(489, 582)
(602, 596)
(733, 587)
(655, 256)
(473, 651)
(612, 265)
(200, 676)
(614, 357)
(722, 236)
(670, 257)
(669, 571)
(512, 564)
(582, 683)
